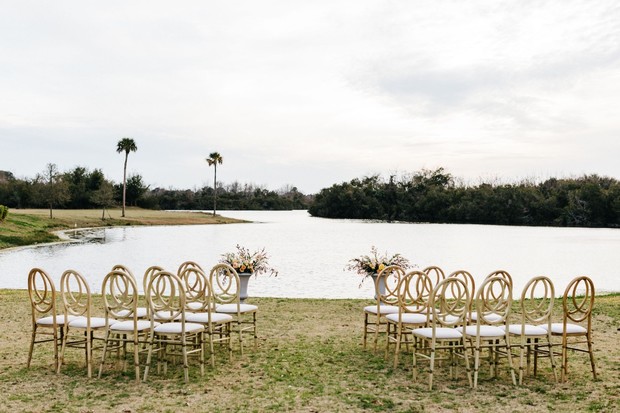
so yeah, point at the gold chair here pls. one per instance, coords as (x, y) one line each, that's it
(165, 296)
(77, 302)
(120, 299)
(414, 291)
(45, 319)
(201, 309)
(449, 303)
(534, 331)
(576, 326)
(225, 285)
(493, 302)
(386, 302)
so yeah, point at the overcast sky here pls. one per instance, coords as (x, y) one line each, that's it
(311, 93)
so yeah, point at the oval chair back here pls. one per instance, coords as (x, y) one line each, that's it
(494, 300)
(120, 295)
(537, 299)
(165, 295)
(197, 290)
(186, 265)
(449, 303)
(470, 283)
(435, 273)
(225, 284)
(387, 284)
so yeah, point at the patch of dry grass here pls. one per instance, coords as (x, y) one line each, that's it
(33, 226)
(309, 359)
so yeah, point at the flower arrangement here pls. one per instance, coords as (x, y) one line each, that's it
(244, 261)
(374, 263)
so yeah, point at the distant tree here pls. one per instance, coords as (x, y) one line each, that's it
(125, 145)
(214, 159)
(135, 189)
(103, 197)
(55, 189)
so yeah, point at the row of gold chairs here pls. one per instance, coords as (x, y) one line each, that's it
(183, 312)
(433, 313)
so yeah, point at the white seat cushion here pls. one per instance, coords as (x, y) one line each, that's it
(485, 331)
(194, 306)
(558, 328)
(416, 308)
(166, 316)
(383, 309)
(203, 318)
(232, 308)
(95, 322)
(140, 311)
(448, 318)
(441, 333)
(49, 320)
(175, 328)
(490, 317)
(408, 318)
(128, 325)
(530, 330)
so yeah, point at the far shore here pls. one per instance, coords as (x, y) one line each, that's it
(25, 227)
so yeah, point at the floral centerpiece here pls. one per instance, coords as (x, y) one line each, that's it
(246, 262)
(373, 263)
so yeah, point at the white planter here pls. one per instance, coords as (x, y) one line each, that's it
(378, 288)
(244, 277)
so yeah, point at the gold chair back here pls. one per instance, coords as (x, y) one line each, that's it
(165, 295)
(435, 273)
(75, 294)
(225, 284)
(493, 300)
(120, 295)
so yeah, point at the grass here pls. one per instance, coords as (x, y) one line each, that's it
(310, 359)
(33, 226)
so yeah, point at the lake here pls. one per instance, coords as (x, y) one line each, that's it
(310, 253)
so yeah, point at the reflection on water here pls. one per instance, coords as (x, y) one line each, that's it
(310, 253)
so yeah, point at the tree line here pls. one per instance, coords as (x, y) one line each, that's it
(435, 196)
(81, 188)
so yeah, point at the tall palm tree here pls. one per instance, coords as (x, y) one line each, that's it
(125, 145)
(214, 159)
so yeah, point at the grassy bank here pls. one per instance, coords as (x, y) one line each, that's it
(33, 226)
(309, 359)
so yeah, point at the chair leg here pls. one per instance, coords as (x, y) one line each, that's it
(399, 334)
(89, 354)
(591, 352)
(365, 330)
(136, 357)
(34, 335)
(431, 368)
(467, 365)
(105, 350)
(510, 364)
(62, 349)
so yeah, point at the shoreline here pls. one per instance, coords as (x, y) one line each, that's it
(27, 225)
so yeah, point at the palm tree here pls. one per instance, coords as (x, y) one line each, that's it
(213, 159)
(125, 145)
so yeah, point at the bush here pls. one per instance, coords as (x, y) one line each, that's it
(4, 211)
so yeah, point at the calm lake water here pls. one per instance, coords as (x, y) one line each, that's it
(310, 253)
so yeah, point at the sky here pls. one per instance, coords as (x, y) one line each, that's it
(311, 93)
